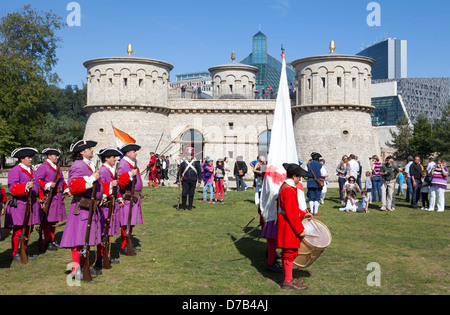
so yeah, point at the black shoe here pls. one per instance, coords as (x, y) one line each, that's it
(275, 268)
(114, 261)
(52, 246)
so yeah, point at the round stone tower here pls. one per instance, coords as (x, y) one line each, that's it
(129, 93)
(333, 107)
(233, 80)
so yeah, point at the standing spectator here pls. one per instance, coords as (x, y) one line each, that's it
(252, 165)
(342, 171)
(400, 180)
(409, 187)
(424, 190)
(389, 173)
(226, 180)
(218, 178)
(240, 169)
(430, 165)
(438, 186)
(258, 177)
(263, 93)
(416, 173)
(208, 178)
(183, 91)
(167, 167)
(315, 170)
(324, 188)
(353, 166)
(199, 91)
(368, 186)
(376, 178)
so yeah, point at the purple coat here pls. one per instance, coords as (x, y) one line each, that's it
(45, 174)
(75, 230)
(106, 177)
(15, 215)
(136, 214)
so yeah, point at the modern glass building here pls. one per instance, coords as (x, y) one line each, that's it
(391, 59)
(269, 67)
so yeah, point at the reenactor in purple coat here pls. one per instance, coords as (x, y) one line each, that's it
(127, 170)
(22, 181)
(108, 176)
(83, 175)
(56, 211)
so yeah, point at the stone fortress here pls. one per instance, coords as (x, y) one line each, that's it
(331, 112)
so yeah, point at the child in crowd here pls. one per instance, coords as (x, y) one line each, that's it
(363, 206)
(208, 178)
(350, 202)
(424, 190)
(400, 181)
(368, 185)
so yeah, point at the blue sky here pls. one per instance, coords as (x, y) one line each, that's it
(196, 35)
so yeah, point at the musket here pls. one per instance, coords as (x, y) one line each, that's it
(159, 142)
(85, 252)
(130, 250)
(23, 238)
(179, 185)
(41, 245)
(175, 139)
(106, 237)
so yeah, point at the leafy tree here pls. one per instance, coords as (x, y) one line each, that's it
(28, 45)
(422, 140)
(441, 139)
(401, 140)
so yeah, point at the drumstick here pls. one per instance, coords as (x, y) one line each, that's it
(311, 235)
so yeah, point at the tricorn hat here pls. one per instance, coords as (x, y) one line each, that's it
(316, 155)
(109, 152)
(295, 169)
(82, 145)
(130, 147)
(51, 151)
(23, 152)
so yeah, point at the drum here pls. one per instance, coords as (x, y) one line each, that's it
(317, 238)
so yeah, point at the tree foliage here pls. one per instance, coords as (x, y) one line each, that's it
(401, 140)
(28, 45)
(441, 139)
(422, 140)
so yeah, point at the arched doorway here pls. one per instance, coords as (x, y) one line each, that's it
(193, 138)
(264, 143)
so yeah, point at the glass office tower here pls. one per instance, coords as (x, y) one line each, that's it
(391, 59)
(269, 67)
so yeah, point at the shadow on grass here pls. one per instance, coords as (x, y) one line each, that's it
(255, 250)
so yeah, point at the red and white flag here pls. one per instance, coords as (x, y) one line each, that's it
(282, 150)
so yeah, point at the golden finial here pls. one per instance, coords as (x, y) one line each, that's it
(130, 49)
(233, 56)
(332, 46)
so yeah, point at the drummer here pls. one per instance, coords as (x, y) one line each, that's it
(290, 227)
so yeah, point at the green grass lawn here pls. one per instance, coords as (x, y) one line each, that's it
(191, 252)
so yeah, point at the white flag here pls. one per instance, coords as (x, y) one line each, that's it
(282, 150)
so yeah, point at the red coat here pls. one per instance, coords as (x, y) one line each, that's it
(290, 218)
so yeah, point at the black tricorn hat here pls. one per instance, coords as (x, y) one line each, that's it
(295, 169)
(24, 152)
(316, 155)
(130, 147)
(82, 145)
(51, 151)
(110, 152)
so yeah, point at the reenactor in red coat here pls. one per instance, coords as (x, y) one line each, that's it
(290, 227)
